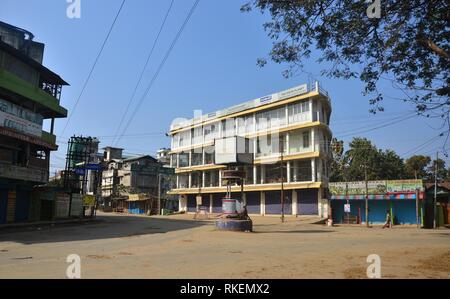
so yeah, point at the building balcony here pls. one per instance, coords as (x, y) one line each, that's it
(43, 94)
(30, 174)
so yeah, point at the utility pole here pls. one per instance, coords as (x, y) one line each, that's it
(159, 194)
(367, 195)
(282, 178)
(417, 207)
(435, 189)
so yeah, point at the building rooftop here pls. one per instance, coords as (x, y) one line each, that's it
(268, 99)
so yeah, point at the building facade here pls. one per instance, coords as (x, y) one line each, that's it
(289, 137)
(134, 184)
(29, 95)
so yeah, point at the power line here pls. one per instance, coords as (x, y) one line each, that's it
(130, 101)
(93, 68)
(378, 127)
(180, 31)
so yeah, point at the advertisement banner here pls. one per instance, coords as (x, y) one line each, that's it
(20, 119)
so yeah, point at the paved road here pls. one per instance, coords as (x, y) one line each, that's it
(177, 247)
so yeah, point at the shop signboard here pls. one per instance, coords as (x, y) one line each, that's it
(20, 119)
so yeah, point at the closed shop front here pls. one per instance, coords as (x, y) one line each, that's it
(76, 208)
(273, 202)
(253, 202)
(3, 205)
(62, 205)
(11, 207)
(205, 202)
(217, 202)
(22, 205)
(191, 203)
(307, 202)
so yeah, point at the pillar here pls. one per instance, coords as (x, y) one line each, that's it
(263, 203)
(294, 202)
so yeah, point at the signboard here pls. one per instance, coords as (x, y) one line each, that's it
(233, 150)
(95, 167)
(357, 188)
(376, 189)
(20, 119)
(89, 200)
(347, 208)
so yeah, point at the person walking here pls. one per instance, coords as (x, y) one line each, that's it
(388, 220)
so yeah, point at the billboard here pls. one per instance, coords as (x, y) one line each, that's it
(382, 189)
(20, 119)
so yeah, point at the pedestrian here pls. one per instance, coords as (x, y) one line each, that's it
(388, 220)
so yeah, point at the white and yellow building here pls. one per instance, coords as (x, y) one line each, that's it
(295, 121)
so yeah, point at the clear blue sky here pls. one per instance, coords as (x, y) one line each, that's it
(212, 66)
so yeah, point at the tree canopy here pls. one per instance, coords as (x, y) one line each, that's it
(406, 45)
(350, 165)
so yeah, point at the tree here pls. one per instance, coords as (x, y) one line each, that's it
(407, 45)
(337, 164)
(392, 166)
(416, 167)
(362, 153)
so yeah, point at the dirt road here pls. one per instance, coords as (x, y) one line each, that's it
(178, 247)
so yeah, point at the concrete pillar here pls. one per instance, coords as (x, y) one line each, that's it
(182, 200)
(313, 170)
(255, 174)
(220, 178)
(263, 173)
(295, 177)
(288, 171)
(294, 202)
(203, 178)
(210, 203)
(190, 180)
(263, 203)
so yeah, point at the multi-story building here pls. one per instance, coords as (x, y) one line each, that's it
(29, 94)
(289, 137)
(133, 183)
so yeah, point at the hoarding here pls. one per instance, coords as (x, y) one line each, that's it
(20, 119)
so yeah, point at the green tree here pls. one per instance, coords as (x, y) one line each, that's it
(362, 154)
(407, 45)
(337, 164)
(391, 166)
(416, 167)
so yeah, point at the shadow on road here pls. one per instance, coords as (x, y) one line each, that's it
(311, 231)
(106, 227)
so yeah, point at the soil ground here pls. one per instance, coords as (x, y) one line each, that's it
(124, 246)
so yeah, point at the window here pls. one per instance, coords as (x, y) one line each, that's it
(197, 157)
(305, 139)
(183, 160)
(299, 112)
(196, 179)
(301, 171)
(249, 124)
(271, 118)
(185, 138)
(197, 135)
(173, 160)
(241, 126)
(209, 155)
(211, 131)
(212, 178)
(183, 181)
(228, 127)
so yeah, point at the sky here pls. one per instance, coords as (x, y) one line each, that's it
(212, 66)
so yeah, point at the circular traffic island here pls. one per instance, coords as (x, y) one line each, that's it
(235, 225)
